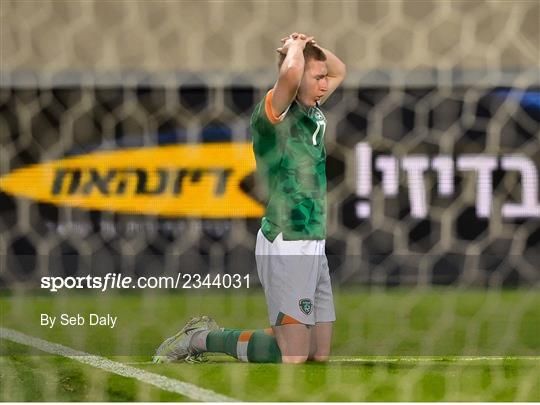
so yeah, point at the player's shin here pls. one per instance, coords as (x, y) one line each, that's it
(255, 346)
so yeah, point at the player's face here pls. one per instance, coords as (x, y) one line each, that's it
(314, 83)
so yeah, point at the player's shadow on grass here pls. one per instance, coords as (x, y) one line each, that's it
(391, 365)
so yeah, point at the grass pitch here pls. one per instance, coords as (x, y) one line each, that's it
(389, 345)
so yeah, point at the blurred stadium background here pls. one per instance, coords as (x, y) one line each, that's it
(436, 91)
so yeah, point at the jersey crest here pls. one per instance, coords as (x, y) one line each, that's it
(316, 115)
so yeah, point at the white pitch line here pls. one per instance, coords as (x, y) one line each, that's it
(165, 383)
(431, 359)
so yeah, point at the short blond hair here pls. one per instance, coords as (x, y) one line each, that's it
(311, 52)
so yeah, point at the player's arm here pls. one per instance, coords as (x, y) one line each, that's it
(336, 72)
(290, 73)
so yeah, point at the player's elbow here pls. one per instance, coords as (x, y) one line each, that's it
(338, 74)
(341, 71)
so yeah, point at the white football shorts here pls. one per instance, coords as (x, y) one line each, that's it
(296, 280)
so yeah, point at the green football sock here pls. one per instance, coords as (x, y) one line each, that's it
(255, 346)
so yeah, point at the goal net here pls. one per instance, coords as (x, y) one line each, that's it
(126, 150)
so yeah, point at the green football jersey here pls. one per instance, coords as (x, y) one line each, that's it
(291, 162)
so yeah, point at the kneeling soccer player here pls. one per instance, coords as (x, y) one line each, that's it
(288, 141)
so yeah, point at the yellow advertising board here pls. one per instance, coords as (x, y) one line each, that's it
(200, 180)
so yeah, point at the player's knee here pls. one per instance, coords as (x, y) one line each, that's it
(320, 357)
(294, 359)
(320, 354)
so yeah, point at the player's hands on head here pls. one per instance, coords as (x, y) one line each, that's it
(295, 38)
